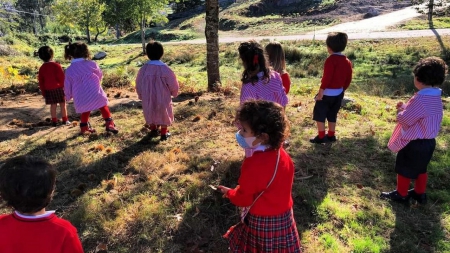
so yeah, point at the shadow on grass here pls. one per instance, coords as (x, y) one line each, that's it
(364, 167)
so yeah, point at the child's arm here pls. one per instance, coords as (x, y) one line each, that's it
(59, 74)
(411, 113)
(319, 95)
(139, 83)
(172, 82)
(327, 77)
(286, 82)
(68, 87)
(244, 193)
(348, 80)
(41, 83)
(72, 243)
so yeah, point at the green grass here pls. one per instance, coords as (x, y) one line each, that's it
(422, 23)
(142, 195)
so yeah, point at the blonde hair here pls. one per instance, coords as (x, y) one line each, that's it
(276, 56)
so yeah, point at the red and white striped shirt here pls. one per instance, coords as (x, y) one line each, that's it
(269, 90)
(421, 119)
(82, 82)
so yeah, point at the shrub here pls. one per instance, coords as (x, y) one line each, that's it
(116, 80)
(6, 50)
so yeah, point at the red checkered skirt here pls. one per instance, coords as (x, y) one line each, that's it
(54, 96)
(258, 234)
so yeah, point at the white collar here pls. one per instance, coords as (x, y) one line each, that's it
(261, 147)
(432, 91)
(77, 60)
(46, 214)
(156, 62)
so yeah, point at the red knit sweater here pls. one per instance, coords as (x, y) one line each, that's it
(49, 234)
(256, 173)
(337, 72)
(51, 76)
(286, 82)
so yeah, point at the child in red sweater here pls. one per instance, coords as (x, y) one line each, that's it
(337, 75)
(265, 184)
(27, 184)
(51, 83)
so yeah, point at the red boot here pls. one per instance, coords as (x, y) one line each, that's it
(86, 128)
(110, 126)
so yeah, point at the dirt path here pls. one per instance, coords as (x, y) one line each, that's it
(371, 28)
(29, 113)
(375, 24)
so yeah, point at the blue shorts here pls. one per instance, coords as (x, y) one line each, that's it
(414, 158)
(327, 108)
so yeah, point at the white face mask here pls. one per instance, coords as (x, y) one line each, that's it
(245, 142)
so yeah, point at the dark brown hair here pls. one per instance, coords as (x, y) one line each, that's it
(337, 41)
(76, 50)
(27, 183)
(254, 60)
(45, 53)
(265, 117)
(430, 71)
(154, 50)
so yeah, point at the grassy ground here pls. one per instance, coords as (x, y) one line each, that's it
(139, 194)
(422, 23)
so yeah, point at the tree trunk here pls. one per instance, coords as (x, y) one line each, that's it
(143, 34)
(212, 44)
(88, 34)
(117, 31)
(430, 10)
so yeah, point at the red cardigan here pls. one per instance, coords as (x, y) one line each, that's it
(48, 234)
(286, 82)
(51, 76)
(337, 72)
(256, 172)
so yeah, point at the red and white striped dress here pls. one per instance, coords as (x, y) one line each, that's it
(82, 83)
(421, 119)
(156, 84)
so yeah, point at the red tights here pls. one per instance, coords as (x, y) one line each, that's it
(106, 114)
(419, 185)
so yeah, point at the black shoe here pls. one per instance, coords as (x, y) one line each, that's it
(420, 198)
(153, 133)
(395, 196)
(54, 124)
(331, 138)
(165, 136)
(319, 140)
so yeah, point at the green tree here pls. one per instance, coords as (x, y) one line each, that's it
(212, 44)
(117, 14)
(83, 14)
(147, 11)
(430, 6)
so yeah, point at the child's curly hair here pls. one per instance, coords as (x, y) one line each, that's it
(27, 183)
(430, 71)
(76, 50)
(254, 60)
(265, 117)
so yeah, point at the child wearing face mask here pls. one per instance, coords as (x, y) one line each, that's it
(264, 190)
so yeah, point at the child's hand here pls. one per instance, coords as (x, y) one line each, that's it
(223, 190)
(400, 106)
(318, 97)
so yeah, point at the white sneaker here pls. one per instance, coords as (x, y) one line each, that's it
(67, 123)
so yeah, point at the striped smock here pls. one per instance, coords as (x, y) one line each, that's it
(82, 83)
(420, 119)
